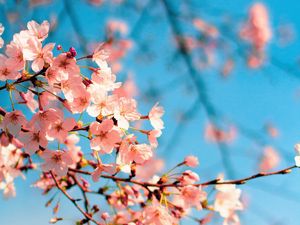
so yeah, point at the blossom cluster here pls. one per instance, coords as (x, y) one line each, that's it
(39, 130)
(257, 32)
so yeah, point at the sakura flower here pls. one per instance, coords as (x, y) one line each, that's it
(297, 157)
(227, 200)
(103, 104)
(100, 55)
(191, 161)
(105, 78)
(108, 168)
(14, 51)
(40, 31)
(188, 177)
(7, 72)
(38, 54)
(28, 99)
(214, 134)
(9, 189)
(152, 137)
(60, 128)
(270, 159)
(56, 161)
(44, 119)
(128, 89)
(10, 156)
(71, 87)
(65, 66)
(13, 122)
(157, 214)
(105, 136)
(79, 103)
(105, 216)
(155, 115)
(1, 32)
(32, 140)
(206, 28)
(117, 26)
(71, 140)
(149, 168)
(193, 196)
(139, 153)
(125, 112)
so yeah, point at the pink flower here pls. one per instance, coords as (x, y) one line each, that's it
(188, 177)
(270, 159)
(149, 168)
(117, 26)
(108, 168)
(38, 54)
(37, 30)
(100, 55)
(9, 189)
(152, 137)
(79, 103)
(205, 28)
(60, 128)
(105, 136)
(297, 157)
(125, 112)
(29, 100)
(72, 88)
(65, 66)
(139, 153)
(44, 119)
(7, 72)
(57, 161)
(227, 200)
(103, 105)
(128, 89)
(14, 52)
(13, 122)
(32, 140)
(214, 134)
(191, 161)
(193, 196)
(105, 79)
(71, 140)
(157, 214)
(155, 115)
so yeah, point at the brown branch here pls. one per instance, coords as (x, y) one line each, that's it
(211, 182)
(86, 215)
(24, 80)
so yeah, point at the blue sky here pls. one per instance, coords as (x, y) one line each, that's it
(248, 97)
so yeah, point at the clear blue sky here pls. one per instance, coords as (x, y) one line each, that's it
(249, 97)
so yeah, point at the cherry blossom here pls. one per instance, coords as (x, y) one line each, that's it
(105, 136)
(56, 161)
(13, 122)
(38, 54)
(33, 140)
(155, 115)
(40, 31)
(270, 159)
(60, 128)
(191, 161)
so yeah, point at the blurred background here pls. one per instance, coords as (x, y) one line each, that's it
(232, 103)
